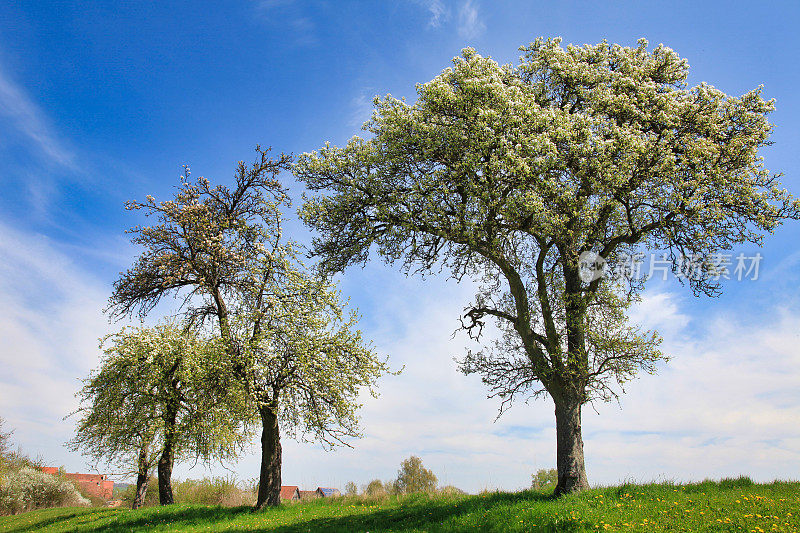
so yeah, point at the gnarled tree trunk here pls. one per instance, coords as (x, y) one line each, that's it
(269, 482)
(569, 445)
(143, 472)
(141, 489)
(570, 392)
(167, 459)
(165, 496)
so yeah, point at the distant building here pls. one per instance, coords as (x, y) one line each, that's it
(290, 493)
(327, 492)
(96, 485)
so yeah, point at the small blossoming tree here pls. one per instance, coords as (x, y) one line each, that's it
(155, 399)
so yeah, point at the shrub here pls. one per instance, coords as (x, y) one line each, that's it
(741, 482)
(150, 497)
(23, 487)
(545, 478)
(375, 488)
(26, 489)
(223, 491)
(6, 456)
(450, 490)
(413, 477)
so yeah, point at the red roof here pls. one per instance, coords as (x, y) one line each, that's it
(289, 492)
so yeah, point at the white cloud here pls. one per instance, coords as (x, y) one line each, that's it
(660, 311)
(439, 13)
(726, 404)
(470, 24)
(468, 20)
(288, 14)
(50, 321)
(362, 108)
(27, 132)
(27, 119)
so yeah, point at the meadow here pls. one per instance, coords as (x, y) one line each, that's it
(732, 505)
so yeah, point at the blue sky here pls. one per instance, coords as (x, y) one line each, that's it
(104, 103)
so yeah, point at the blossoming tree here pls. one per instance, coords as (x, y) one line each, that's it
(154, 400)
(509, 173)
(290, 343)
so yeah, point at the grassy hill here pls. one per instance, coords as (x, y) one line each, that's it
(730, 505)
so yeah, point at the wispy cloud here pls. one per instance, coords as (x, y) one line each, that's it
(439, 13)
(50, 321)
(726, 404)
(290, 14)
(267, 5)
(27, 119)
(470, 24)
(362, 108)
(723, 406)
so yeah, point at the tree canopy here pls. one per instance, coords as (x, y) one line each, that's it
(156, 398)
(510, 173)
(414, 477)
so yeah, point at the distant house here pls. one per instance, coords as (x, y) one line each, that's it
(308, 495)
(290, 493)
(327, 492)
(96, 485)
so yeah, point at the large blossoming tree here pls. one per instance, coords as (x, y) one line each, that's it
(512, 173)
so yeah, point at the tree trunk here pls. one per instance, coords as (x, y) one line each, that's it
(269, 482)
(165, 462)
(141, 490)
(165, 496)
(570, 393)
(569, 447)
(141, 478)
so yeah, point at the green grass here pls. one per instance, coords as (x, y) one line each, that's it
(730, 505)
